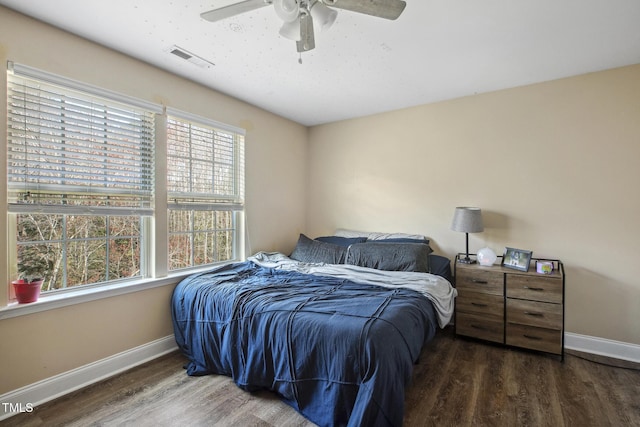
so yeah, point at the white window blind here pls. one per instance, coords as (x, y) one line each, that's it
(205, 164)
(72, 150)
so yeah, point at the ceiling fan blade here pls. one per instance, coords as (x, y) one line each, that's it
(387, 9)
(233, 9)
(307, 38)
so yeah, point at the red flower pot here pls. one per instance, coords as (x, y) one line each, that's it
(27, 292)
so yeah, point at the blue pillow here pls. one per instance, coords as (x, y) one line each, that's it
(440, 266)
(341, 241)
(314, 251)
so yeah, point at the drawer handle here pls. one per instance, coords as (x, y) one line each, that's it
(480, 282)
(534, 314)
(531, 337)
(478, 327)
(534, 289)
(477, 304)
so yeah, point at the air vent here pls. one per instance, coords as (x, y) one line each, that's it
(188, 56)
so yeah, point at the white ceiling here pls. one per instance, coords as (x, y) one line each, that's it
(436, 50)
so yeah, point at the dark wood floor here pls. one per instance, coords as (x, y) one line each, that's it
(457, 382)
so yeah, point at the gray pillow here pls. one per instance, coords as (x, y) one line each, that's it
(390, 256)
(308, 250)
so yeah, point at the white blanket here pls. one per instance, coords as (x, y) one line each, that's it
(437, 289)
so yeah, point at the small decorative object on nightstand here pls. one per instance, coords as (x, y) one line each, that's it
(486, 257)
(544, 267)
(467, 220)
(516, 308)
(517, 259)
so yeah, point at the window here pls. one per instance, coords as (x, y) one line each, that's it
(82, 191)
(205, 190)
(79, 180)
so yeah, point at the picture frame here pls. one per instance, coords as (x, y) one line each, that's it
(518, 259)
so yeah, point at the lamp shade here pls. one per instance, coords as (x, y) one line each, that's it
(467, 220)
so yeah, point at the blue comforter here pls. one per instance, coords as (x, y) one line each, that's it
(339, 352)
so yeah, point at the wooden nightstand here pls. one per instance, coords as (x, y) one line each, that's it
(511, 307)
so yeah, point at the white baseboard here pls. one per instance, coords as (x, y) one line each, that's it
(602, 347)
(25, 398)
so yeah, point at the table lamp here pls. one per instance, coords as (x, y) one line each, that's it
(467, 220)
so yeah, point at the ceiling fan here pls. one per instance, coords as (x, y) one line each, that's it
(298, 15)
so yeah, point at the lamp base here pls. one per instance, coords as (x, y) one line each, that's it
(466, 260)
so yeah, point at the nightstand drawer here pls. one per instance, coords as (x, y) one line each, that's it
(479, 326)
(542, 339)
(485, 304)
(534, 313)
(534, 288)
(478, 280)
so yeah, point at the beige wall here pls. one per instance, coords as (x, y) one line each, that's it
(41, 345)
(554, 166)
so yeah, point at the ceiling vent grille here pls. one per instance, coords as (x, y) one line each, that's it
(188, 56)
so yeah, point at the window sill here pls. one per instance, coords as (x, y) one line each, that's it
(80, 296)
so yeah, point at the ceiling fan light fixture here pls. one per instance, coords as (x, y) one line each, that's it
(323, 15)
(291, 30)
(287, 10)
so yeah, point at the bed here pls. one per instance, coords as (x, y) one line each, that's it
(334, 328)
